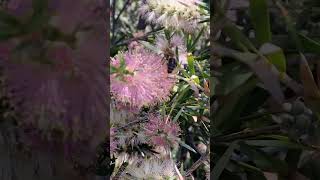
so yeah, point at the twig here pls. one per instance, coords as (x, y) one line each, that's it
(246, 134)
(121, 169)
(139, 37)
(178, 172)
(131, 124)
(194, 166)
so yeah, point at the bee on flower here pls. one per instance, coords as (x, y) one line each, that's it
(139, 78)
(171, 49)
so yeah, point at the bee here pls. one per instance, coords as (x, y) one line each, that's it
(170, 60)
(172, 64)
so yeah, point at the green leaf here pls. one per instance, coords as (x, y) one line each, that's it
(309, 45)
(113, 69)
(191, 68)
(178, 115)
(223, 161)
(187, 146)
(290, 26)
(264, 161)
(237, 37)
(233, 76)
(227, 116)
(195, 41)
(260, 19)
(266, 72)
(275, 56)
(311, 90)
(276, 143)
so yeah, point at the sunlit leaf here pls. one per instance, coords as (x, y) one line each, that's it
(275, 55)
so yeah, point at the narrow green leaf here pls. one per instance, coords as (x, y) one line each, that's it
(263, 160)
(309, 45)
(227, 116)
(238, 37)
(223, 161)
(260, 19)
(191, 68)
(311, 90)
(187, 146)
(290, 26)
(233, 76)
(195, 41)
(178, 115)
(310, 87)
(276, 143)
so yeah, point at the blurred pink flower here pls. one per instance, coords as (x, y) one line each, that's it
(147, 81)
(60, 83)
(162, 132)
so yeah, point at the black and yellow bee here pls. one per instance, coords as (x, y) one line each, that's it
(172, 64)
(170, 60)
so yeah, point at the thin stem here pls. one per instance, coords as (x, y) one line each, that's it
(122, 10)
(113, 18)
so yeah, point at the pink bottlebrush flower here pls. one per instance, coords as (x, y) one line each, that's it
(146, 81)
(60, 83)
(162, 132)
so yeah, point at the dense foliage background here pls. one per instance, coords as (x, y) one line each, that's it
(265, 89)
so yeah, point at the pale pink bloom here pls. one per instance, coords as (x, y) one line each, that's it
(147, 83)
(152, 168)
(176, 14)
(162, 132)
